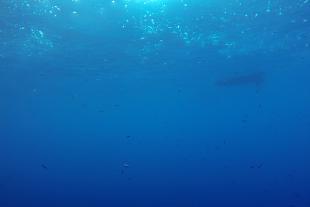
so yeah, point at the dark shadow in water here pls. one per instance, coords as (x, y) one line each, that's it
(43, 166)
(256, 79)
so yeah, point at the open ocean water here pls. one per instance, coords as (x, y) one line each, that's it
(154, 103)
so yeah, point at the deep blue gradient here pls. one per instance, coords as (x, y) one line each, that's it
(155, 103)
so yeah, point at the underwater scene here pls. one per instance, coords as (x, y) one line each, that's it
(154, 103)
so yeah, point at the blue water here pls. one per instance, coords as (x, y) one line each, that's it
(154, 103)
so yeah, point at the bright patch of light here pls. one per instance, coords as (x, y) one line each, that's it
(145, 2)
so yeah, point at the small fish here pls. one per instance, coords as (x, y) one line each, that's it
(256, 166)
(125, 165)
(44, 166)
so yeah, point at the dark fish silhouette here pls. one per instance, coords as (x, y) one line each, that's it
(256, 78)
(257, 166)
(44, 166)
